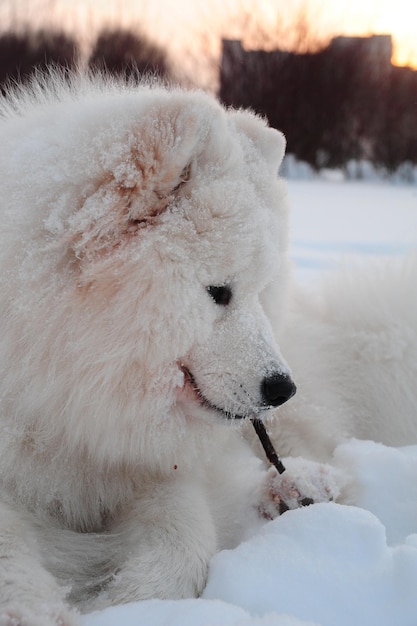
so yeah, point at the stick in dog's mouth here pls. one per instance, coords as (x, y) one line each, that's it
(258, 425)
(267, 444)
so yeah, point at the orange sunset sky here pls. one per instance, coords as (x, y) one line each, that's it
(191, 29)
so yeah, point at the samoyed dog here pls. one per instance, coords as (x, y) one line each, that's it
(143, 256)
(144, 233)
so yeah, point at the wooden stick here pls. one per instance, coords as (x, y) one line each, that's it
(267, 445)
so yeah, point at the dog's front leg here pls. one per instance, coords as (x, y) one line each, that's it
(170, 538)
(29, 595)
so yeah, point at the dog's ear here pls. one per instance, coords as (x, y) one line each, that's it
(140, 178)
(269, 141)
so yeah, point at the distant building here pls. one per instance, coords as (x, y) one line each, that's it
(344, 102)
(375, 50)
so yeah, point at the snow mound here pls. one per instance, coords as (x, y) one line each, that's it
(387, 478)
(328, 563)
(185, 613)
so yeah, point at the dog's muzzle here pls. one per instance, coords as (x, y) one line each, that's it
(275, 389)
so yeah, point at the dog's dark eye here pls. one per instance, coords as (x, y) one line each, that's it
(220, 294)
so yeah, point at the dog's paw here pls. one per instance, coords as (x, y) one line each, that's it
(37, 616)
(303, 483)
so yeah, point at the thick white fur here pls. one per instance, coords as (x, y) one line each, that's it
(120, 206)
(352, 344)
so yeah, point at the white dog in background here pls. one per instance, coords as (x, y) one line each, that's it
(143, 253)
(352, 345)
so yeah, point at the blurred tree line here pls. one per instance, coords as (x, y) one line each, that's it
(118, 51)
(344, 102)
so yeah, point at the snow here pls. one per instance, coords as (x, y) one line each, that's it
(327, 564)
(333, 220)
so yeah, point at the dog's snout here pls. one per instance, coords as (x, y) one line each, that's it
(277, 389)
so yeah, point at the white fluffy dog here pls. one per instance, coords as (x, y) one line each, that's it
(143, 257)
(141, 230)
(351, 341)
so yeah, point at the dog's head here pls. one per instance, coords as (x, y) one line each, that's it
(164, 228)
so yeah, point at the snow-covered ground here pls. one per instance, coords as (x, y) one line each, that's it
(334, 219)
(327, 564)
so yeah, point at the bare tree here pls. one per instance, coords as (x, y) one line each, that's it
(23, 53)
(127, 54)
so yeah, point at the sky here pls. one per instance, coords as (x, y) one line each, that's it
(191, 29)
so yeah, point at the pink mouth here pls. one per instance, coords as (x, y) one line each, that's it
(191, 392)
(190, 388)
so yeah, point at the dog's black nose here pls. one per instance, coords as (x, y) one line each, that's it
(277, 389)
